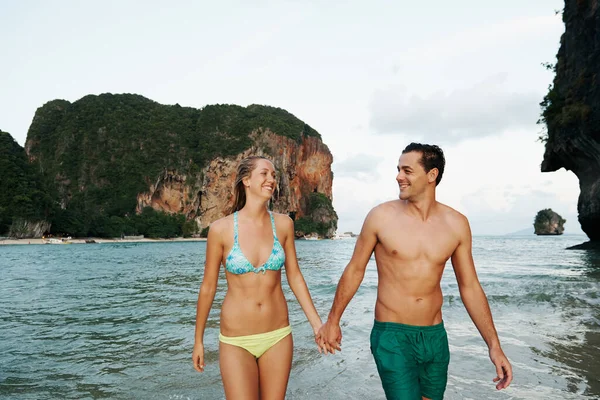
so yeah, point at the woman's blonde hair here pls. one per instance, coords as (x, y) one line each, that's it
(244, 169)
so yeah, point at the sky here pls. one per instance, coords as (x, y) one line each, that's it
(370, 77)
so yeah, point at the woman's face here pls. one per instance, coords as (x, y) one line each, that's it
(262, 180)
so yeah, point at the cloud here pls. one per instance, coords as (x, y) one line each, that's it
(359, 166)
(484, 109)
(485, 36)
(492, 212)
(352, 204)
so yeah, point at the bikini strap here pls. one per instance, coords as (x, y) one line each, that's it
(273, 225)
(235, 229)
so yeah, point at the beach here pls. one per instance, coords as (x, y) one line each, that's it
(97, 240)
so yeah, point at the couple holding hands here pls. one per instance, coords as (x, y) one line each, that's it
(412, 238)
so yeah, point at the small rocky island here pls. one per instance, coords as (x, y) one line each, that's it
(547, 222)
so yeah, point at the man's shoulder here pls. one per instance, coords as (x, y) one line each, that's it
(386, 207)
(377, 215)
(454, 217)
(449, 211)
(379, 212)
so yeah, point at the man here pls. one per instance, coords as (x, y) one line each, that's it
(413, 237)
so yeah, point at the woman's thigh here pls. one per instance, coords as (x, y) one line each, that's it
(239, 372)
(274, 369)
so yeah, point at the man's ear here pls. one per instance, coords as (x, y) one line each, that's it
(432, 175)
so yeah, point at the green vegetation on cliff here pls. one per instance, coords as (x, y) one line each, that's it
(150, 223)
(98, 153)
(21, 191)
(558, 113)
(567, 107)
(318, 218)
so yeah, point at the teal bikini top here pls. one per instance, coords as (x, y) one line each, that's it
(237, 263)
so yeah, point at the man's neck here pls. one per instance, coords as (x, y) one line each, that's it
(421, 208)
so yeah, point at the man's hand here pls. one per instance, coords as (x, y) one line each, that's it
(503, 368)
(198, 357)
(321, 345)
(331, 334)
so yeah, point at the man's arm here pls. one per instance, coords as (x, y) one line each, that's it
(476, 303)
(350, 280)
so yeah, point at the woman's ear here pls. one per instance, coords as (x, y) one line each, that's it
(246, 181)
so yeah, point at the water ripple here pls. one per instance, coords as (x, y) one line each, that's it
(117, 321)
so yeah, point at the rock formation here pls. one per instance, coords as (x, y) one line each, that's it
(24, 203)
(22, 228)
(109, 157)
(547, 222)
(572, 109)
(301, 169)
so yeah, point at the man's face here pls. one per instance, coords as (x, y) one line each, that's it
(411, 178)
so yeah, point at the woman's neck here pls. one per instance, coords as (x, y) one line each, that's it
(254, 209)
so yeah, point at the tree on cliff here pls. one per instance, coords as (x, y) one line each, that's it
(547, 222)
(21, 192)
(318, 219)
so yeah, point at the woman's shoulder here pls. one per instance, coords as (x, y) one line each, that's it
(222, 223)
(282, 220)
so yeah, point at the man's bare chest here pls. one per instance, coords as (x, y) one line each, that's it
(431, 245)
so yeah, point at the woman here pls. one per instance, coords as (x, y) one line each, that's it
(253, 244)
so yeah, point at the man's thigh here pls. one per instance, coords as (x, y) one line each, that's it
(396, 366)
(433, 375)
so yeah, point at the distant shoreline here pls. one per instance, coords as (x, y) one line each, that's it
(99, 240)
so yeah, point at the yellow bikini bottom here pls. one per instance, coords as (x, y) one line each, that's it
(259, 343)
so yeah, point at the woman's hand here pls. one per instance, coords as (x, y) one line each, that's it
(324, 348)
(198, 357)
(330, 335)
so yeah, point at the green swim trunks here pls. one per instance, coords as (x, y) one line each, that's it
(412, 361)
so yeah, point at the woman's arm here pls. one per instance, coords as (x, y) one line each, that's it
(208, 288)
(294, 276)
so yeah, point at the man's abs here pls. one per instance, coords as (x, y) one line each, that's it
(393, 306)
(408, 291)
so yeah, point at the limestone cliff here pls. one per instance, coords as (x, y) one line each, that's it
(302, 168)
(22, 228)
(572, 109)
(24, 203)
(109, 158)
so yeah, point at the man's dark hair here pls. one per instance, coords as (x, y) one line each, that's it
(431, 157)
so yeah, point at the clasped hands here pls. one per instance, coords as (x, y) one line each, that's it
(329, 338)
